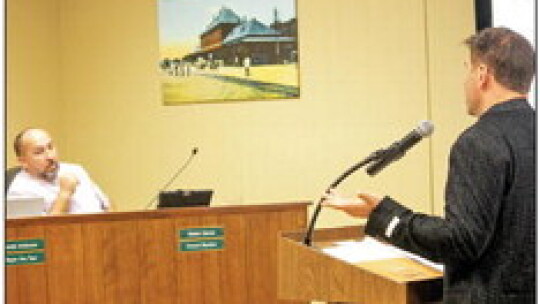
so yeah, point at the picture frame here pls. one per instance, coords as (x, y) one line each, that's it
(214, 51)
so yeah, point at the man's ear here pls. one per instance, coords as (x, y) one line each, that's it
(22, 161)
(483, 75)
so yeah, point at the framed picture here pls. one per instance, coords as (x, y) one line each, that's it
(216, 51)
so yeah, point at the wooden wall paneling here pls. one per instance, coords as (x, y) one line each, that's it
(94, 265)
(64, 263)
(32, 279)
(211, 272)
(123, 273)
(292, 220)
(158, 241)
(11, 273)
(233, 265)
(262, 233)
(189, 267)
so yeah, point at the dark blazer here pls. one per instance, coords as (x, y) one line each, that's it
(487, 238)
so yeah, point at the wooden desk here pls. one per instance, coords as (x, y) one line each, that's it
(135, 257)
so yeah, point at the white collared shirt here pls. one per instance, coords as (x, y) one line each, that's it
(88, 198)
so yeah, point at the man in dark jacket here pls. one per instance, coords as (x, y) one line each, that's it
(487, 238)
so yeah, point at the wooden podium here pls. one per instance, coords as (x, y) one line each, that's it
(222, 254)
(307, 273)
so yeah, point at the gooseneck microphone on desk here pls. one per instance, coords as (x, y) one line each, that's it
(377, 161)
(180, 170)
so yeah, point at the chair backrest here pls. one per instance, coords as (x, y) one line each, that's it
(10, 175)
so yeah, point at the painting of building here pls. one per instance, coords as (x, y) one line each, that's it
(233, 57)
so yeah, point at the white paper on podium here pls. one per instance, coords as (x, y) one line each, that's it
(369, 249)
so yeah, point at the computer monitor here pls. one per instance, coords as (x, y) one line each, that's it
(24, 207)
(185, 198)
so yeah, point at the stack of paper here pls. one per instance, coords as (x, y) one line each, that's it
(369, 249)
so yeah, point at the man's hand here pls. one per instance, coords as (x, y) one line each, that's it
(359, 206)
(68, 184)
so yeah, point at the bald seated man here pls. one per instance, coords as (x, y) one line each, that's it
(65, 188)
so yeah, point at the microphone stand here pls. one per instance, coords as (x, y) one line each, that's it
(188, 161)
(373, 157)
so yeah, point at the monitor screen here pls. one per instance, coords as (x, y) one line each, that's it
(185, 198)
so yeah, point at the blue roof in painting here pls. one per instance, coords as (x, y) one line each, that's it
(225, 15)
(249, 29)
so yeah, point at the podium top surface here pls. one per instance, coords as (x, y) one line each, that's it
(400, 269)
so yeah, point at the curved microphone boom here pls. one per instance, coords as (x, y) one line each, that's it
(180, 170)
(342, 177)
(378, 160)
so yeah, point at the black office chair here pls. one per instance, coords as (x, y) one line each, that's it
(10, 175)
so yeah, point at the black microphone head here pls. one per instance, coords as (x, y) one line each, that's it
(399, 148)
(425, 128)
(195, 150)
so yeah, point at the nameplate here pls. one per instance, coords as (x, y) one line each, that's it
(26, 258)
(25, 245)
(25, 252)
(196, 239)
(204, 232)
(206, 245)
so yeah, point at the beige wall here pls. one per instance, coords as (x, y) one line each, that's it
(448, 23)
(370, 71)
(32, 75)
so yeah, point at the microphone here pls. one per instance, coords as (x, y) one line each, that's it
(180, 170)
(377, 161)
(399, 148)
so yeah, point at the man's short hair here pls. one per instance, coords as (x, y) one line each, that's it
(508, 54)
